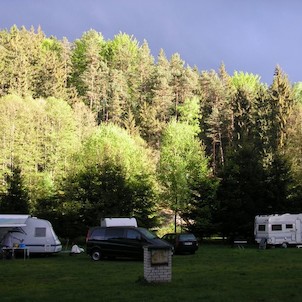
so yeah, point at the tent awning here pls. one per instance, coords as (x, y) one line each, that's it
(11, 220)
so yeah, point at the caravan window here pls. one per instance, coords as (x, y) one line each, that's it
(261, 227)
(289, 226)
(277, 227)
(40, 232)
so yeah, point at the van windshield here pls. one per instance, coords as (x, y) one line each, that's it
(147, 233)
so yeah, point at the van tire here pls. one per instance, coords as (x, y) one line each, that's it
(284, 245)
(96, 255)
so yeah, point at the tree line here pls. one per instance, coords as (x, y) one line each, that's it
(96, 128)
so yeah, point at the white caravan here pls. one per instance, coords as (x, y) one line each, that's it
(36, 234)
(281, 230)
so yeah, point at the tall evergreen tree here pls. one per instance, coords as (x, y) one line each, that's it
(156, 111)
(281, 99)
(178, 81)
(117, 97)
(95, 79)
(279, 183)
(242, 192)
(92, 42)
(247, 87)
(18, 65)
(217, 118)
(144, 70)
(16, 200)
(53, 70)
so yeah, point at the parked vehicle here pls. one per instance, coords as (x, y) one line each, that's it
(182, 242)
(120, 240)
(283, 230)
(33, 233)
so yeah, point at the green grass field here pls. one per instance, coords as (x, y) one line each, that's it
(214, 273)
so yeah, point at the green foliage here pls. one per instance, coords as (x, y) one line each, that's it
(90, 44)
(242, 193)
(200, 215)
(183, 166)
(33, 65)
(39, 136)
(155, 112)
(293, 143)
(281, 101)
(16, 200)
(183, 82)
(244, 102)
(104, 191)
(115, 177)
(190, 113)
(217, 118)
(245, 81)
(121, 52)
(297, 92)
(279, 183)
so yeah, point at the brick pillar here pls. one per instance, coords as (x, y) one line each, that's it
(157, 264)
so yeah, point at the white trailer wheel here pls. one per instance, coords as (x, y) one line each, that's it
(284, 245)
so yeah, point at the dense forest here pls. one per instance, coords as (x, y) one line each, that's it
(100, 128)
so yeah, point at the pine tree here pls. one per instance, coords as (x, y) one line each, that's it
(217, 119)
(281, 100)
(53, 70)
(18, 64)
(16, 200)
(155, 111)
(95, 78)
(117, 97)
(79, 60)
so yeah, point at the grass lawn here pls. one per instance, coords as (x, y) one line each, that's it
(214, 273)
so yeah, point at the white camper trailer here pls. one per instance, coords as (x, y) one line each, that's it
(281, 230)
(36, 234)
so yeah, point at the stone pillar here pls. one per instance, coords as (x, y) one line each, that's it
(157, 264)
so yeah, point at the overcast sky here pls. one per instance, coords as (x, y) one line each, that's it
(247, 35)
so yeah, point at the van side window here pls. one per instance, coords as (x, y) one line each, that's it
(40, 232)
(261, 227)
(289, 226)
(98, 234)
(114, 233)
(133, 234)
(277, 227)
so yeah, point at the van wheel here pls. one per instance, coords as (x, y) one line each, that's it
(96, 255)
(284, 245)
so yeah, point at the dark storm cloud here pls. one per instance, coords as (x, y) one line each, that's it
(250, 36)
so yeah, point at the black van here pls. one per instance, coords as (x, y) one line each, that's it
(120, 241)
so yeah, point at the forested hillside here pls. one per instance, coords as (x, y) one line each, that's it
(95, 128)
